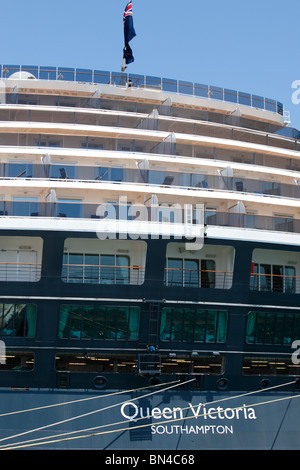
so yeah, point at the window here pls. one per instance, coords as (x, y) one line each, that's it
(18, 320)
(96, 362)
(270, 366)
(105, 323)
(183, 364)
(18, 361)
(190, 273)
(189, 325)
(272, 328)
(273, 278)
(96, 269)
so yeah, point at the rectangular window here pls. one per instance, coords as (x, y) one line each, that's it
(186, 272)
(96, 362)
(189, 325)
(105, 323)
(270, 366)
(18, 320)
(18, 361)
(272, 328)
(273, 278)
(96, 269)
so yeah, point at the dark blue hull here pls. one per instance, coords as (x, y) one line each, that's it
(147, 420)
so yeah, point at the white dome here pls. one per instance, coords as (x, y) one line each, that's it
(21, 76)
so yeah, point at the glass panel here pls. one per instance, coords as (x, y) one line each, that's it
(75, 268)
(122, 270)
(216, 93)
(258, 101)
(165, 324)
(84, 75)
(177, 325)
(18, 320)
(290, 279)
(270, 105)
(169, 85)
(296, 334)
(19, 170)
(33, 69)
(100, 321)
(188, 328)
(288, 329)
(107, 270)
(244, 98)
(153, 82)
(211, 327)
(265, 277)
(191, 273)
(18, 361)
(269, 325)
(175, 272)
(230, 95)
(87, 322)
(222, 327)
(69, 208)
(200, 90)
(48, 73)
(25, 206)
(137, 80)
(250, 330)
(101, 76)
(277, 273)
(186, 88)
(260, 328)
(91, 269)
(208, 274)
(279, 324)
(65, 73)
(200, 325)
(254, 279)
(63, 171)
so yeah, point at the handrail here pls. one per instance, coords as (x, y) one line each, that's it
(99, 77)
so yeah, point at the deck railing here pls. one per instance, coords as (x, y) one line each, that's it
(101, 77)
(22, 272)
(103, 274)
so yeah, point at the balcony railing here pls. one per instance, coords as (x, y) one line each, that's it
(264, 282)
(209, 279)
(22, 272)
(152, 177)
(103, 274)
(141, 81)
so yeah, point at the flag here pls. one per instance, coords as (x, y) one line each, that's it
(129, 33)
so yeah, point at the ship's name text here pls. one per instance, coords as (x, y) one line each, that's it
(133, 412)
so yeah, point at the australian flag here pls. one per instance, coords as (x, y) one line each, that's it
(129, 33)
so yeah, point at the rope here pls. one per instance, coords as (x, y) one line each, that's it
(92, 412)
(81, 400)
(35, 442)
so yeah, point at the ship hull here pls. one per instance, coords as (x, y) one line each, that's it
(181, 421)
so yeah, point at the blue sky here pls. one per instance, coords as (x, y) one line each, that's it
(241, 45)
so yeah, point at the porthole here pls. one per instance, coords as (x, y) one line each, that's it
(222, 384)
(99, 381)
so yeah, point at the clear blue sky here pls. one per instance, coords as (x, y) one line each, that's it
(250, 46)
